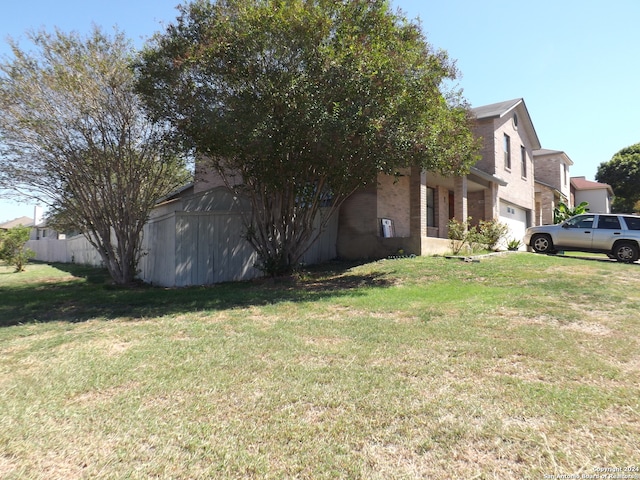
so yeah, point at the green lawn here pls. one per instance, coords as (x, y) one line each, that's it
(517, 366)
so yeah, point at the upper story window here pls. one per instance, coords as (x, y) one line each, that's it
(523, 161)
(565, 173)
(515, 121)
(507, 152)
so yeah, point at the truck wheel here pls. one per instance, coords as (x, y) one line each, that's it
(626, 252)
(542, 243)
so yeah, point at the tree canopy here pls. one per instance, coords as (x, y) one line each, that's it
(298, 103)
(622, 172)
(73, 135)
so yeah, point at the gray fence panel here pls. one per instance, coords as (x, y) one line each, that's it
(49, 250)
(187, 248)
(324, 248)
(158, 263)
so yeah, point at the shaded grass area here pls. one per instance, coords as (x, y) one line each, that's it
(76, 293)
(515, 367)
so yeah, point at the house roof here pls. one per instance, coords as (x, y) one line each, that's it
(500, 109)
(542, 152)
(581, 183)
(176, 194)
(496, 110)
(488, 176)
(24, 221)
(550, 187)
(546, 151)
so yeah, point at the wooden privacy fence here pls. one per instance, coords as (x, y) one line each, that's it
(71, 250)
(187, 248)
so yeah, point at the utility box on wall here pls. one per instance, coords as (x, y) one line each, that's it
(387, 229)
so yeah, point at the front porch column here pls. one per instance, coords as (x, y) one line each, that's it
(491, 205)
(442, 213)
(418, 202)
(460, 208)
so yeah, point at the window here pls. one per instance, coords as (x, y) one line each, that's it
(523, 161)
(507, 152)
(608, 223)
(565, 173)
(431, 217)
(633, 223)
(581, 221)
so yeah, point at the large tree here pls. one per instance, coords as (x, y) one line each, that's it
(297, 103)
(622, 172)
(73, 135)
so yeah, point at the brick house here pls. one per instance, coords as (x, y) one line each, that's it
(552, 183)
(196, 236)
(411, 212)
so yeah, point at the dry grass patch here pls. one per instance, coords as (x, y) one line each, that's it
(423, 368)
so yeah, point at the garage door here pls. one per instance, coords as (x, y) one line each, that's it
(515, 218)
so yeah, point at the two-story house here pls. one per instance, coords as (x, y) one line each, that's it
(411, 212)
(197, 236)
(552, 183)
(598, 195)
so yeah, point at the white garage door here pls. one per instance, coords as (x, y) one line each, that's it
(515, 218)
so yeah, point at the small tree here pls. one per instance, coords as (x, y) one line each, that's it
(74, 136)
(492, 232)
(12, 247)
(457, 233)
(297, 103)
(487, 234)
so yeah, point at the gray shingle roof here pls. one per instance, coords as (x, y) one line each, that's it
(500, 109)
(24, 221)
(546, 151)
(495, 109)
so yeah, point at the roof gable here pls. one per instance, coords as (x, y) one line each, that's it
(24, 221)
(581, 183)
(502, 109)
(545, 152)
(496, 110)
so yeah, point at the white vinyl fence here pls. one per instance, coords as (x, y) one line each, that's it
(187, 248)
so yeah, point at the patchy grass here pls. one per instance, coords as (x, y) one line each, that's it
(518, 366)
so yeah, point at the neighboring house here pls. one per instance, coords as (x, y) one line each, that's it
(38, 226)
(411, 212)
(598, 195)
(552, 183)
(17, 222)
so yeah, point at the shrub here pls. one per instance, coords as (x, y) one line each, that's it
(458, 234)
(563, 212)
(12, 250)
(513, 244)
(491, 232)
(487, 234)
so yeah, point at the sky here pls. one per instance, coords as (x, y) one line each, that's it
(574, 62)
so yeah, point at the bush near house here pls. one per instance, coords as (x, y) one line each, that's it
(563, 212)
(486, 235)
(12, 247)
